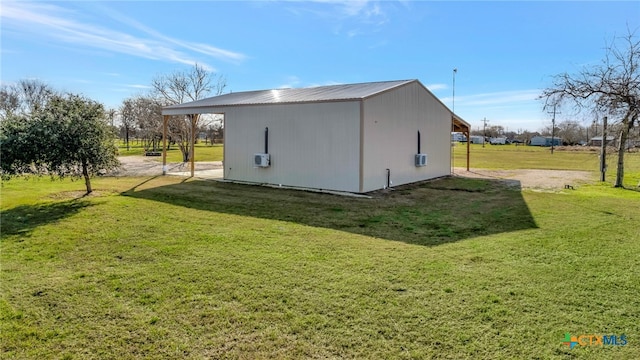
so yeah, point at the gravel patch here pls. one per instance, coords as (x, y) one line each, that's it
(148, 166)
(523, 178)
(532, 178)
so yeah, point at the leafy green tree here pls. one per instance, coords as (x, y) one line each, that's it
(69, 137)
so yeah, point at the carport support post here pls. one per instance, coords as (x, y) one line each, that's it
(468, 134)
(165, 119)
(194, 120)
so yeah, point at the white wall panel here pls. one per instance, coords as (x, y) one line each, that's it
(313, 145)
(391, 122)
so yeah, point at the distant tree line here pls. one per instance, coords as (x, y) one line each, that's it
(571, 132)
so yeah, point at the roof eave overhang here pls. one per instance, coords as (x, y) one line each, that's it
(192, 110)
(459, 125)
(184, 109)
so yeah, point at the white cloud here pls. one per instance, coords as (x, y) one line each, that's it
(138, 86)
(362, 9)
(496, 98)
(197, 47)
(353, 17)
(435, 87)
(326, 83)
(290, 82)
(296, 82)
(45, 20)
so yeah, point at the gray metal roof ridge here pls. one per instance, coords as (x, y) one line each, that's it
(338, 92)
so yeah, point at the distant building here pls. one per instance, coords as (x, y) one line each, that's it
(545, 141)
(597, 141)
(477, 139)
(458, 136)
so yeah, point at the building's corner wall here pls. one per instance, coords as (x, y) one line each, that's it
(391, 122)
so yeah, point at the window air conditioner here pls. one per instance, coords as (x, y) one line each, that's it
(421, 159)
(261, 160)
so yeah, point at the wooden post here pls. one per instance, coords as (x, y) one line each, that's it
(165, 119)
(468, 134)
(603, 150)
(194, 119)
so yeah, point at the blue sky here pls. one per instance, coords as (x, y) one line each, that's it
(505, 52)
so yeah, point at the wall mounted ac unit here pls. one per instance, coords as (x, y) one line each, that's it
(261, 160)
(421, 159)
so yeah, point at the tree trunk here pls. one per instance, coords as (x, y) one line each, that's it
(126, 136)
(624, 134)
(603, 151)
(87, 180)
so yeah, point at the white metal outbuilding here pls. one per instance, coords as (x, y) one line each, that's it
(355, 137)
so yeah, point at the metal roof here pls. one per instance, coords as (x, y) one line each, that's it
(299, 95)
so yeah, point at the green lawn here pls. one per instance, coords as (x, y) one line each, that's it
(535, 157)
(456, 268)
(204, 152)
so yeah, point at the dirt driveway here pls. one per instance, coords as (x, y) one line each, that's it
(525, 178)
(532, 178)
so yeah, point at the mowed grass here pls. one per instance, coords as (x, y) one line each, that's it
(456, 268)
(204, 152)
(510, 157)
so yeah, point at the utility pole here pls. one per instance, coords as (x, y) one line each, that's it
(453, 110)
(603, 150)
(453, 105)
(553, 128)
(484, 130)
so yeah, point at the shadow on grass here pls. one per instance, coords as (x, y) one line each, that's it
(23, 219)
(429, 213)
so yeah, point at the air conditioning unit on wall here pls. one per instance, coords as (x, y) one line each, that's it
(261, 160)
(421, 159)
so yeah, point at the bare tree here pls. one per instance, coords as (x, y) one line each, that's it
(148, 117)
(571, 132)
(183, 86)
(35, 94)
(612, 87)
(111, 116)
(24, 97)
(213, 127)
(128, 118)
(493, 131)
(9, 102)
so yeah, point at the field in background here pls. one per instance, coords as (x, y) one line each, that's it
(535, 157)
(505, 157)
(456, 268)
(204, 152)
